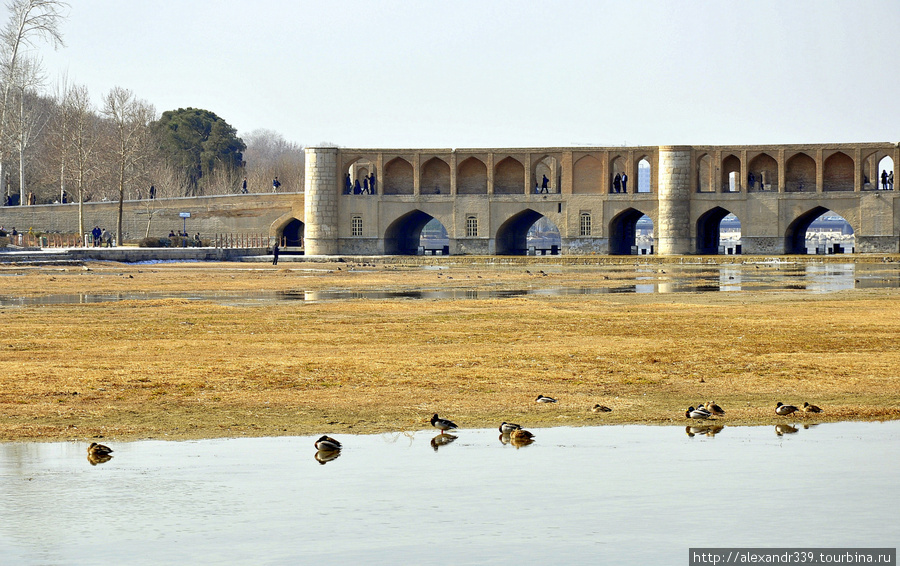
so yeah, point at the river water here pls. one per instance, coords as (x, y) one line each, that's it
(604, 495)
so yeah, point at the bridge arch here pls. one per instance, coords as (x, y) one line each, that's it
(398, 177)
(623, 231)
(796, 235)
(356, 167)
(471, 177)
(403, 234)
(731, 174)
(644, 182)
(885, 172)
(288, 230)
(709, 230)
(838, 172)
(587, 175)
(435, 177)
(509, 177)
(549, 166)
(800, 174)
(512, 235)
(616, 167)
(764, 169)
(704, 174)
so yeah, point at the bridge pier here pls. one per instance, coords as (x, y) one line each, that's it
(320, 215)
(673, 234)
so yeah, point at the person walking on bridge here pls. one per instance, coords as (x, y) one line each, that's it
(884, 179)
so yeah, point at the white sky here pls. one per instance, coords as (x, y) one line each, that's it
(511, 73)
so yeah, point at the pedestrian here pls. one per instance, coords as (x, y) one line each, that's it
(884, 179)
(617, 183)
(891, 181)
(95, 236)
(356, 188)
(624, 183)
(152, 192)
(348, 185)
(275, 254)
(244, 186)
(365, 186)
(372, 182)
(104, 237)
(275, 185)
(544, 183)
(751, 180)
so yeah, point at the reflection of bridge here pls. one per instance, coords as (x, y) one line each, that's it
(487, 199)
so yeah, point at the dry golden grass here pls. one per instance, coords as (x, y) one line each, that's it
(187, 368)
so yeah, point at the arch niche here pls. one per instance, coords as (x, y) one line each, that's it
(509, 177)
(764, 169)
(731, 174)
(838, 173)
(704, 174)
(471, 177)
(435, 179)
(800, 174)
(398, 177)
(645, 174)
(587, 174)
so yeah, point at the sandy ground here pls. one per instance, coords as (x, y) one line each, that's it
(190, 368)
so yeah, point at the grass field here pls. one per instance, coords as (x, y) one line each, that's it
(179, 368)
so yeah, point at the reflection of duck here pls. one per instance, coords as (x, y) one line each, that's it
(782, 409)
(327, 444)
(442, 424)
(504, 438)
(442, 439)
(325, 456)
(542, 399)
(811, 408)
(598, 408)
(507, 428)
(94, 460)
(98, 450)
(521, 437)
(713, 408)
(698, 413)
(782, 429)
(708, 430)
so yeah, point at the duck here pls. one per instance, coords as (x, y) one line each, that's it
(507, 428)
(443, 424)
(98, 450)
(327, 444)
(598, 408)
(714, 409)
(521, 434)
(811, 408)
(782, 409)
(542, 399)
(698, 413)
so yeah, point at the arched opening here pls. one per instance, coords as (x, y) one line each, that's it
(292, 234)
(587, 174)
(471, 177)
(435, 179)
(886, 173)
(731, 174)
(800, 174)
(509, 177)
(704, 174)
(359, 175)
(820, 231)
(404, 235)
(546, 179)
(718, 232)
(512, 236)
(838, 173)
(631, 233)
(434, 239)
(644, 172)
(763, 174)
(398, 177)
(616, 171)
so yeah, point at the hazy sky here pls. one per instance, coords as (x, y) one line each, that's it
(518, 73)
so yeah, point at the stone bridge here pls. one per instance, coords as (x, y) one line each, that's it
(487, 199)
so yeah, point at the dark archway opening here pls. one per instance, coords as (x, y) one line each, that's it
(623, 232)
(403, 236)
(434, 239)
(718, 231)
(820, 231)
(513, 235)
(292, 234)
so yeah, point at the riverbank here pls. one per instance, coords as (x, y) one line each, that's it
(191, 368)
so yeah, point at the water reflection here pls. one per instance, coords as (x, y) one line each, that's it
(205, 496)
(325, 456)
(704, 430)
(442, 439)
(95, 459)
(782, 429)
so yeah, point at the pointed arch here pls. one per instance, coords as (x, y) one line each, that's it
(623, 232)
(546, 166)
(644, 175)
(764, 170)
(509, 177)
(800, 174)
(587, 174)
(616, 167)
(704, 174)
(435, 177)
(512, 236)
(398, 177)
(838, 172)
(709, 230)
(403, 234)
(731, 174)
(471, 177)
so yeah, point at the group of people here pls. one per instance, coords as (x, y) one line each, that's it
(751, 180)
(620, 183)
(366, 188)
(887, 180)
(101, 237)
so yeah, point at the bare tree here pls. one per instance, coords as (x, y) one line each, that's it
(130, 119)
(29, 20)
(269, 155)
(79, 135)
(33, 112)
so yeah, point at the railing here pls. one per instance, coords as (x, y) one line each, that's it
(242, 241)
(27, 240)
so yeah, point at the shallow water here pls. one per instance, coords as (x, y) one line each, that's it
(814, 278)
(611, 495)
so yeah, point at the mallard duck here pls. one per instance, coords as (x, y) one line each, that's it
(507, 428)
(699, 413)
(99, 450)
(811, 408)
(598, 408)
(782, 409)
(327, 444)
(713, 408)
(442, 424)
(542, 399)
